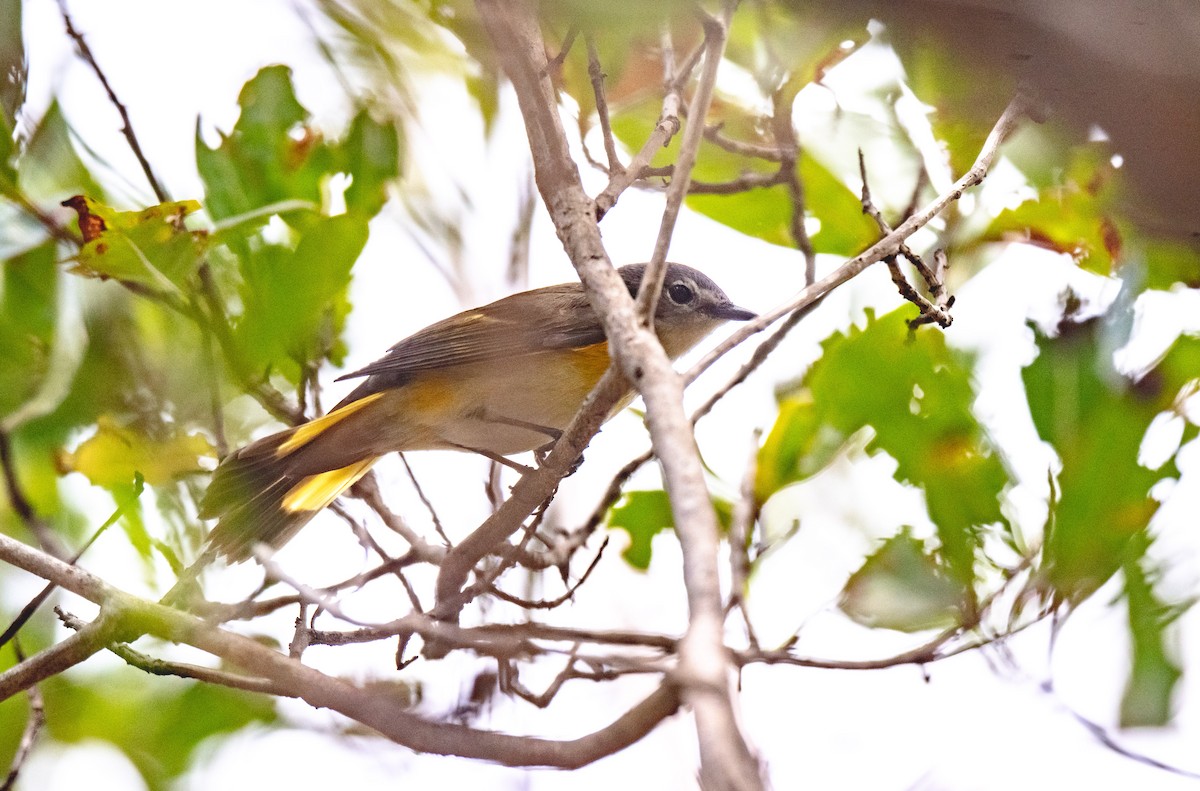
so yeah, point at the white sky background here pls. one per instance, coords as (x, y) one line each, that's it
(977, 723)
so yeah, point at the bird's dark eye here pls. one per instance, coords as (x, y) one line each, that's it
(680, 294)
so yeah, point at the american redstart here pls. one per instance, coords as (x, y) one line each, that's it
(497, 380)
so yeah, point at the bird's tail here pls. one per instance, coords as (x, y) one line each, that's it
(265, 492)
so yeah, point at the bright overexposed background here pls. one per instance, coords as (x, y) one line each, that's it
(993, 719)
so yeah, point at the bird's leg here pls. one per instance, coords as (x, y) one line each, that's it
(496, 457)
(539, 453)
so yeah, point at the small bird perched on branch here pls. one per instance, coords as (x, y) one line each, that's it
(496, 380)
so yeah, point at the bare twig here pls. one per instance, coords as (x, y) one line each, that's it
(745, 511)
(596, 73)
(930, 311)
(550, 604)
(1016, 110)
(667, 127)
(127, 127)
(21, 505)
(751, 180)
(512, 683)
(367, 489)
(782, 102)
(433, 514)
(35, 721)
(714, 133)
(159, 667)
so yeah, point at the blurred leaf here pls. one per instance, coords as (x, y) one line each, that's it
(114, 454)
(1096, 418)
(371, 155)
(1169, 262)
(845, 230)
(50, 167)
(1074, 215)
(14, 69)
(798, 446)
(902, 586)
(149, 246)
(158, 726)
(28, 303)
(916, 396)
(8, 149)
(271, 156)
(645, 514)
(964, 113)
(1153, 676)
(296, 302)
(764, 212)
(778, 42)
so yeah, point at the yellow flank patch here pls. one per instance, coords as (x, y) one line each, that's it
(314, 428)
(591, 361)
(428, 394)
(317, 491)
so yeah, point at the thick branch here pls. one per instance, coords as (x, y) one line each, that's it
(726, 761)
(127, 616)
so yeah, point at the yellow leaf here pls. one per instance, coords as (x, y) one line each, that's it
(112, 455)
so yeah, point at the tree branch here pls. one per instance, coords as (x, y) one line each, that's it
(703, 672)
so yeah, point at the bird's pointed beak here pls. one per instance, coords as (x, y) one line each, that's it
(731, 312)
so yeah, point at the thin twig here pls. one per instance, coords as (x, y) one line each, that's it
(667, 127)
(741, 525)
(930, 311)
(161, 667)
(596, 73)
(550, 604)
(21, 505)
(782, 102)
(1013, 114)
(714, 133)
(35, 721)
(127, 127)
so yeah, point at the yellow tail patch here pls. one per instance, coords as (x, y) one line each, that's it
(314, 428)
(317, 491)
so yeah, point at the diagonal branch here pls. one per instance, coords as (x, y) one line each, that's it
(704, 669)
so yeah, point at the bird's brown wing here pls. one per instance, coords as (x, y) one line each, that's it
(555, 317)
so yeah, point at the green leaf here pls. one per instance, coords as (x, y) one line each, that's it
(1096, 418)
(845, 230)
(296, 302)
(645, 514)
(915, 394)
(14, 69)
(28, 308)
(1153, 676)
(798, 446)
(272, 155)
(149, 246)
(904, 587)
(1169, 262)
(8, 148)
(1074, 216)
(371, 155)
(158, 726)
(50, 167)
(964, 112)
